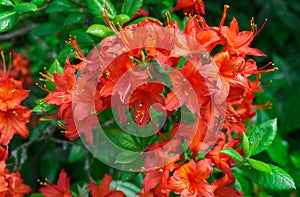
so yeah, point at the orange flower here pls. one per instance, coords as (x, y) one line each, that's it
(11, 93)
(103, 189)
(190, 179)
(62, 189)
(13, 122)
(11, 184)
(238, 42)
(191, 6)
(13, 116)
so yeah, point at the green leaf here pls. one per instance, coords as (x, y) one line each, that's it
(122, 139)
(7, 20)
(75, 18)
(121, 19)
(83, 190)
(42, 107)
(130, 7)
(128, 189)
(295, 159)
(97, 8)
(281, 146)
(128, 176)
(277, 179)
(56, 67)
(245, 143)
(259, 165)
(100, 31)
(38, 2)
(233, 154)
(127, 157)
(36, 195)
(62, 6)
(76, 153)
(25, 7)
(6, 3)
(262, 136)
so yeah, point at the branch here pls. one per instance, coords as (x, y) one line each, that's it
(17, 33)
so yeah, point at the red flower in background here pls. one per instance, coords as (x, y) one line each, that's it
(13, 116)
(19, 69)
(62, 189)
(191, 6)
(11, 184)
(103, 190)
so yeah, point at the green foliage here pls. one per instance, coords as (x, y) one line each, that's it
(262, 136)
(99, 30)
(130, 7)
(233, 154)
(271, 177)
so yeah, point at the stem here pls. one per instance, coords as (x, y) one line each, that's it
(17, 33)
(158, 131)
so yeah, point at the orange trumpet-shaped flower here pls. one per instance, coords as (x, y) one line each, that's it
(191, 6)
(62, 189)
(103, 189)
(190, 179)
(11, 184)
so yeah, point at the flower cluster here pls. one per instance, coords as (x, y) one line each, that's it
(63, 188)
(13, 120)
(13, 116)
(209, 87)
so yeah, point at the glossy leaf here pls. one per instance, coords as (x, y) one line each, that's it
(62, 6)
(25, 7)
(7, 20)
(127, 188)
(277, 179)
(127, 157)
(130, 7)
(262, 136)
(56, 67)
(97, 8)
(76, 153)
(42, 107)
(121, 139)
(127, 176)
(75, 18)
(246, 144)
(99, 30)
(233, 154)
(259, 165)
(121, 19)
(6, 3)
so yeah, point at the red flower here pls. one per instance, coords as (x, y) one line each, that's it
(13, 122)
(190, 179)
(62, 189)
(13, 116)
(238, 42)
(11, 93)
(64, 87)
(18, 69)
(103, 190)
(142, 98)
(191, 6)
(11, 184)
